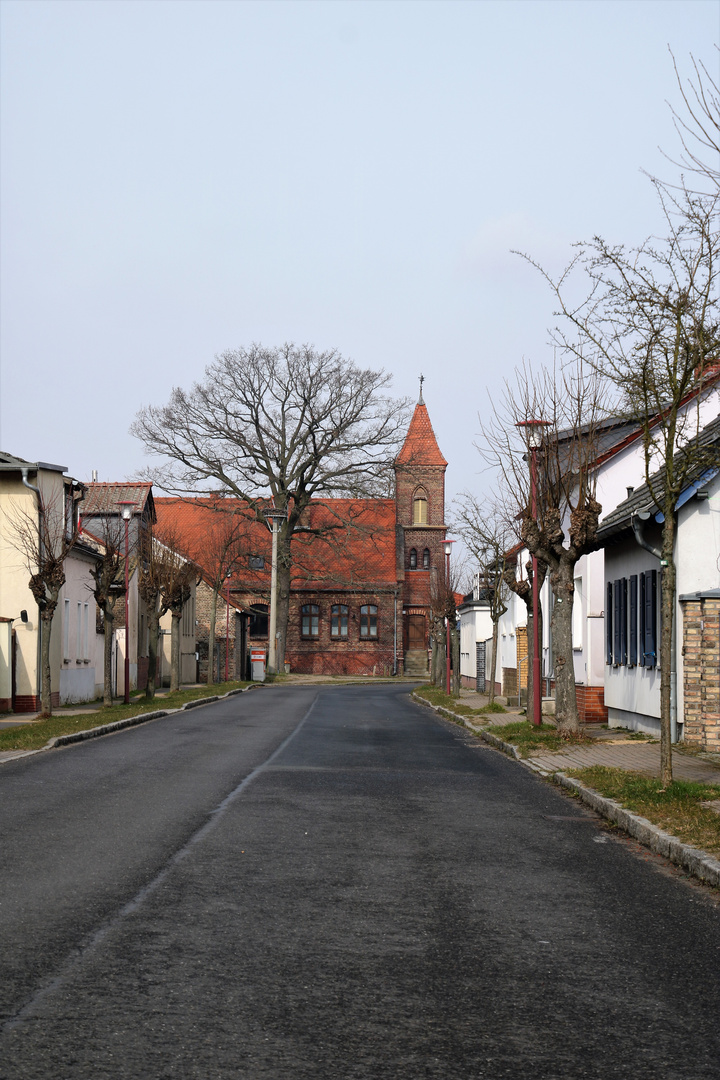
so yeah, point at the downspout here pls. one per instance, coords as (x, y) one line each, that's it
(637, 521)
(41, 511)
(395, 664)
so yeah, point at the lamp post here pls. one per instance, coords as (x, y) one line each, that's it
(273, 517)
(127, 509)
(534, 435)
(447, 548)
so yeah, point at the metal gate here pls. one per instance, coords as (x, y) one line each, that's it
(480, 667)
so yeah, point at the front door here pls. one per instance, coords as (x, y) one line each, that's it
(416, 632)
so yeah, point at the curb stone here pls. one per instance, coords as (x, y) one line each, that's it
(131, 721)
(696, 862)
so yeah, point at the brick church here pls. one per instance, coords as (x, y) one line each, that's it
(363, 571)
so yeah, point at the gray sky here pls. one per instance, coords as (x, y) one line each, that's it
(179, 178)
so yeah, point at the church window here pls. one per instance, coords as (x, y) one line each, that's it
(310, 624)
(339, 621)
(420, 509)
(368, 621)
(426, 559)
(413, 559)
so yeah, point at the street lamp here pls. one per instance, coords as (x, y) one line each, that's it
(447, 548)
(126, 511)
(227, 625)
(534, 435)
(273, 517)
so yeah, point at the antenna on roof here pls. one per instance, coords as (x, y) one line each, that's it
(420, 399)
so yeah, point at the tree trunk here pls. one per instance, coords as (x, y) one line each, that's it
(153, 634)
(566, 712)
(175, 650)
(491, 695)
(667, 616)
(455, 654)
(211, 636)
(108, 638)
(45, 628)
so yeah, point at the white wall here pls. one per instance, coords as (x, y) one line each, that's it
(475, 625)
(75, 623)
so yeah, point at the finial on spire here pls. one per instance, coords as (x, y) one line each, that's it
(420, 399)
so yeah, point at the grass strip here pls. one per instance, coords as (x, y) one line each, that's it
(36, 734)
(528, 738)
(435, 696)
(677, 809)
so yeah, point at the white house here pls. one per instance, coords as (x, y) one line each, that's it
(475, 629)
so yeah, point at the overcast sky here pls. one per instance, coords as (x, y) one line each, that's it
(180, 177)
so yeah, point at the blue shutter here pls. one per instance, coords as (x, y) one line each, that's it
(650, 618)
(623, 621)
(617, 621)
(633, 619)
(609, 624)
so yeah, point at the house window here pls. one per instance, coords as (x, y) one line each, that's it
(413, 559)
(256, 562)
(368, 621)
(420, 509)
(633, 620)
(258, 621)
(648, 618)
(310, 622)
(339, 621)
(66, 630)
(426, 559)
(609, 623)
(78, 634)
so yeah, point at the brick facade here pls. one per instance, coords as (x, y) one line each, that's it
(701, 671)
(591, 704)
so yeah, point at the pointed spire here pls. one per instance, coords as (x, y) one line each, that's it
(420, 446)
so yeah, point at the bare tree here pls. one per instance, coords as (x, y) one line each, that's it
(522, 585)
(289, 423)
(698, 129)
(487, 536)
(559, 524)
(45, 539)
(108, 586)
(650, 324)
(444, 616)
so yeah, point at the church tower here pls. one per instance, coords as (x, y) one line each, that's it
(420, 526)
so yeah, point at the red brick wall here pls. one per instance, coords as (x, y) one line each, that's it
(27, 703)
(591, 704)
(337, 656)
(701, 672)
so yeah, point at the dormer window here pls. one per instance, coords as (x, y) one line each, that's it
(413, 559)
(420, 509)
(426, 559)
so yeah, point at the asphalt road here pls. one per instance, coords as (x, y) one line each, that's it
(333, 883)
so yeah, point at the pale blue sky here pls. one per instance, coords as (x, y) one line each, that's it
(179, 178)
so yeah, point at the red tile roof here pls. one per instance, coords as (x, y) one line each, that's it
(352, 542)
(104, 498)
(420, 446)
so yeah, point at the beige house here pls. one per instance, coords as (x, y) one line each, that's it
(31, 492)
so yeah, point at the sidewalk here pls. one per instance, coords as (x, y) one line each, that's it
(610, 747)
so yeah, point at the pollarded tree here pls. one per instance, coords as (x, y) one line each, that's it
(108, 576)
(288, 423)
(559, 512)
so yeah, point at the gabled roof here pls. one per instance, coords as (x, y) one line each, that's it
(340, 543)
(420, 446)
(103, 499)
(700, 473)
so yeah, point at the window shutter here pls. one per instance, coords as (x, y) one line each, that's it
(633, 619)
(609, 624)
(617, 622)
(623, 621)
(650, 618)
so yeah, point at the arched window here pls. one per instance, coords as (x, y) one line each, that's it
(426, 559)
(420, 508)
(339, 621)
(310, 623)
(368, 621)
(413, 559)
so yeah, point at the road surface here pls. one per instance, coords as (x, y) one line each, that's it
(334, 883)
